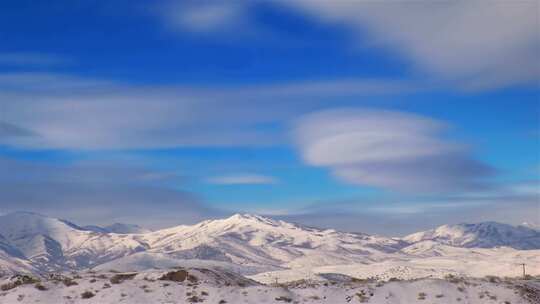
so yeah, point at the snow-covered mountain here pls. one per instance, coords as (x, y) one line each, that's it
(50, 244)
(481, 235)
(247, 244)
(255, 240)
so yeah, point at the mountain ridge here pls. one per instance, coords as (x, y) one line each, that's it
(480, 235)
(33, 241)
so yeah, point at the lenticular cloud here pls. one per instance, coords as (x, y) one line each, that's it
(392, 150)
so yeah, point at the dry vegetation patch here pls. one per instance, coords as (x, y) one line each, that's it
(87, 295)
(19, 280)
(121, 277)
(179, 276)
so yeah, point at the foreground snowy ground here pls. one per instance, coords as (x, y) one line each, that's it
(220, 286)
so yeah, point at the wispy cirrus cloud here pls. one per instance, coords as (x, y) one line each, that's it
(474, 45)
(8, 130)
(67, 112)
(242, 179)
(203, 17)
(31, 59)
(57, 83)
(387, 149)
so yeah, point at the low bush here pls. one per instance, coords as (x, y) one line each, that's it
(87, 295)
(19, 280)
(121, 277)
(40, 286)
(284, 299)
(175, 276)
(69, 282)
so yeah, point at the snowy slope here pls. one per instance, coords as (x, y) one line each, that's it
(51, 244)
(255, 240)
(219, 286)
(144, 261)
(481, 262)
(10, 265)
(482, 235)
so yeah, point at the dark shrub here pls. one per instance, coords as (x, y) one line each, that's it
(178, 276)
(18, 280)
(87, 295)
(284, 299)
(40, 287)
(121, 277)
(194, 299)
(69, 282)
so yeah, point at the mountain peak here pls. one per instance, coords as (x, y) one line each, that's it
(244, 220)
(249, 217)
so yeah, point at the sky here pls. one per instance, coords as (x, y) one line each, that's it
(372, 116)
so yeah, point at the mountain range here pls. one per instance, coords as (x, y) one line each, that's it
(248, 244)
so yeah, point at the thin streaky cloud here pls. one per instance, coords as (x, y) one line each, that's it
(202, 17)
(473, 45)
(31, 59)
(243, 179)
(74, 113)
(48, 82)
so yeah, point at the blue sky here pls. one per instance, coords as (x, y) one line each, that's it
(342, 113)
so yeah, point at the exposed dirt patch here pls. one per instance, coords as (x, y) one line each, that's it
(121, 277)
(179, 276)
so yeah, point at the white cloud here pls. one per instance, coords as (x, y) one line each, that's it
(478, 44)
(48, 82)
(473, 44)
(203, 16)
(61, 111)
(243, 179)
(527, 188)
(10, 130)
(386, 149)
(31, 59)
